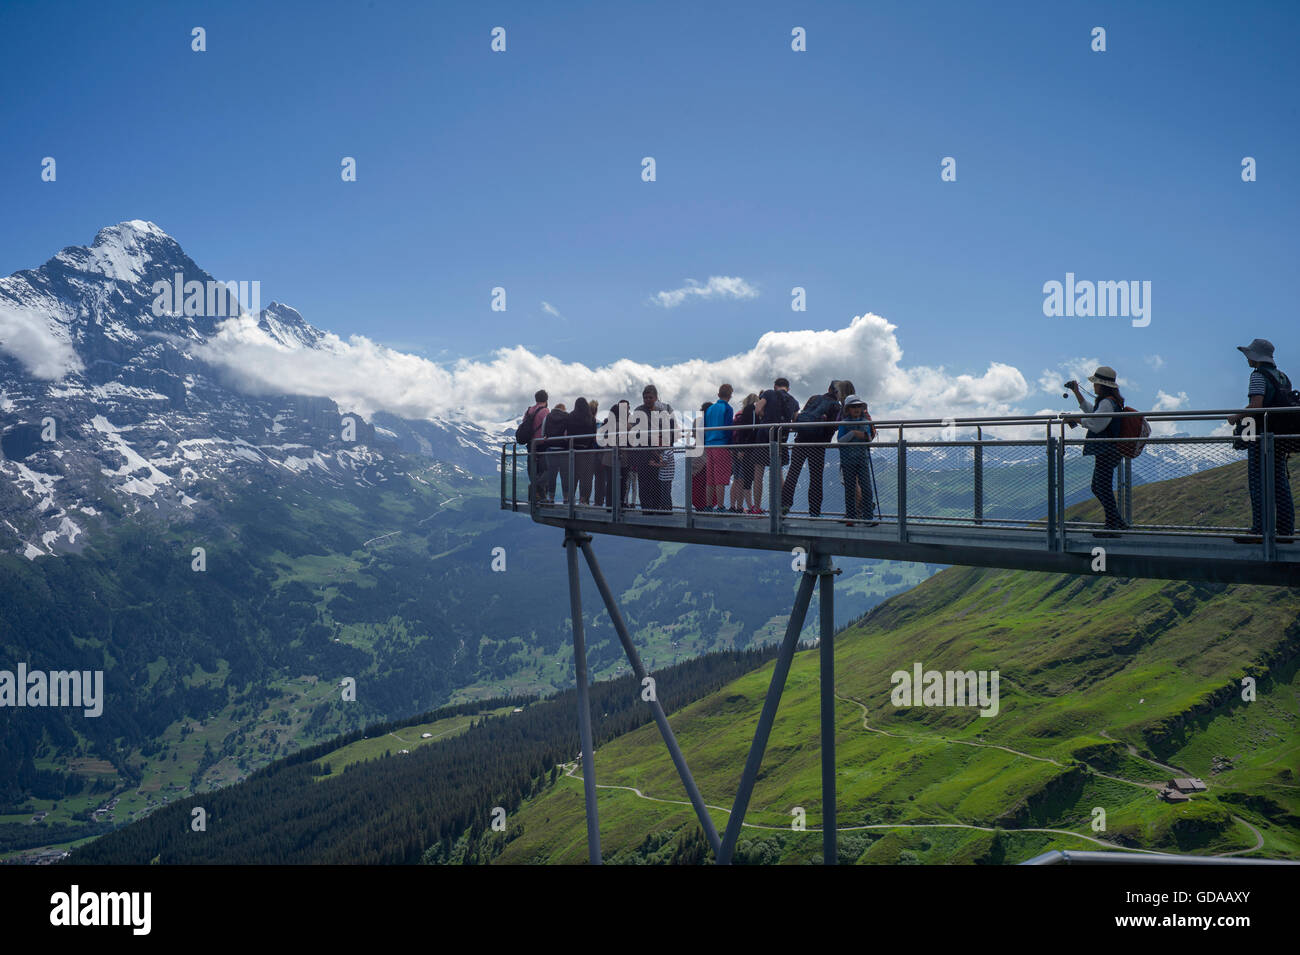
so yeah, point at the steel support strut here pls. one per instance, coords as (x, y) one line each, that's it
(692, 791)
(571, 541)
(826, 651)
(764, 729)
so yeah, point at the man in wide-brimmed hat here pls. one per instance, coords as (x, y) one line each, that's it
(1268, 388)
(1105, 454)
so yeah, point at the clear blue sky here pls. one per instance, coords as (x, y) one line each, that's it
(818, 169)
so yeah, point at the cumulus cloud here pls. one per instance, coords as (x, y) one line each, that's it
(40, 344)
(364, 376)
(1168, 402)
(1077, 369)
(718, 286)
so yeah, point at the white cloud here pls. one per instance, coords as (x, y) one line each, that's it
(1168, 402)
(550, 309)
(1076, 369)
(364, 376)
(718, 286)
(38, 342)
(1155, 361)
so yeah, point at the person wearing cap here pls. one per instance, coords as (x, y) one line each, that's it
(1105, 454)
(1267, 389)
(852, 438)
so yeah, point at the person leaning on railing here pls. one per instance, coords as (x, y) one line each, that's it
(656, 466)
(718, 417)
(852, 439)
(1105, 454)
(751, 451)
(582, 428)
(1268, 388)
(530, 432)
(554, 453)
(808, 447)
(600, 487)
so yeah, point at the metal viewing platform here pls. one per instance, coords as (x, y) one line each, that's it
(1010, 492)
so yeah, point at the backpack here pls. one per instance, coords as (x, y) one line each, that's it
(524, 433)
(1132, 428)
(781, 406)
(1285, 422)
(819, 408)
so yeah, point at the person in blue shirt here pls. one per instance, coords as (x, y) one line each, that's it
(853, 437)
(718, 456)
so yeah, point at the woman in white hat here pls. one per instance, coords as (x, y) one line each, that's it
(1106, 456)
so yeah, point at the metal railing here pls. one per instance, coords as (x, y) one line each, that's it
(1073, 857)
(1029, 473)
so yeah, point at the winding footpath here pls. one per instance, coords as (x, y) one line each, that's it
(571, 772)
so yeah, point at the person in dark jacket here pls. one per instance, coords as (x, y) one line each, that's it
(582, 428)
(620, 417)
(600, 486)
(554, 448)
(536, 415)
(780, 406)
(1105, 454)
(754, 453)
(808, 447)
(1268, 388)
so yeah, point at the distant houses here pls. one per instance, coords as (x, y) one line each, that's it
(1179, 788)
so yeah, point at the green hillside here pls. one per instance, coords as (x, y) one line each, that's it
(211, 675)
(1108, 687)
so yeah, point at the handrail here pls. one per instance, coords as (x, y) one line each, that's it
(978, 422)
(978, 487)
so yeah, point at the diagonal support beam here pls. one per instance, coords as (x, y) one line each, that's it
(692, 791)
(571, 541)
(764, 729)
(826, 651)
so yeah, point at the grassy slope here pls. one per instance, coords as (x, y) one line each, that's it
(407, 737)
(1088, 668)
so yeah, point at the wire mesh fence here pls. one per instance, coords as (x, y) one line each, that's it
(1031, 470)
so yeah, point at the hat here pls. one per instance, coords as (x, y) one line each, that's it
(1258, 350)
(853, 400)
(1104, 375)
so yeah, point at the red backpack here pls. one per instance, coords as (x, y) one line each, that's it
(1135, 427)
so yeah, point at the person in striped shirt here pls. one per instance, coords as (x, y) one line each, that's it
(1268, 388)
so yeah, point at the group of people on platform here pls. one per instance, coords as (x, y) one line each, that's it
(729, 475)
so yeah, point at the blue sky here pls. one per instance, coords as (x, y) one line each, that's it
(818, 169)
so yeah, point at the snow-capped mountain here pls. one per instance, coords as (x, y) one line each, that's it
(107, 404)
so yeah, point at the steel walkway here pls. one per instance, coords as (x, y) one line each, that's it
(985, 495)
